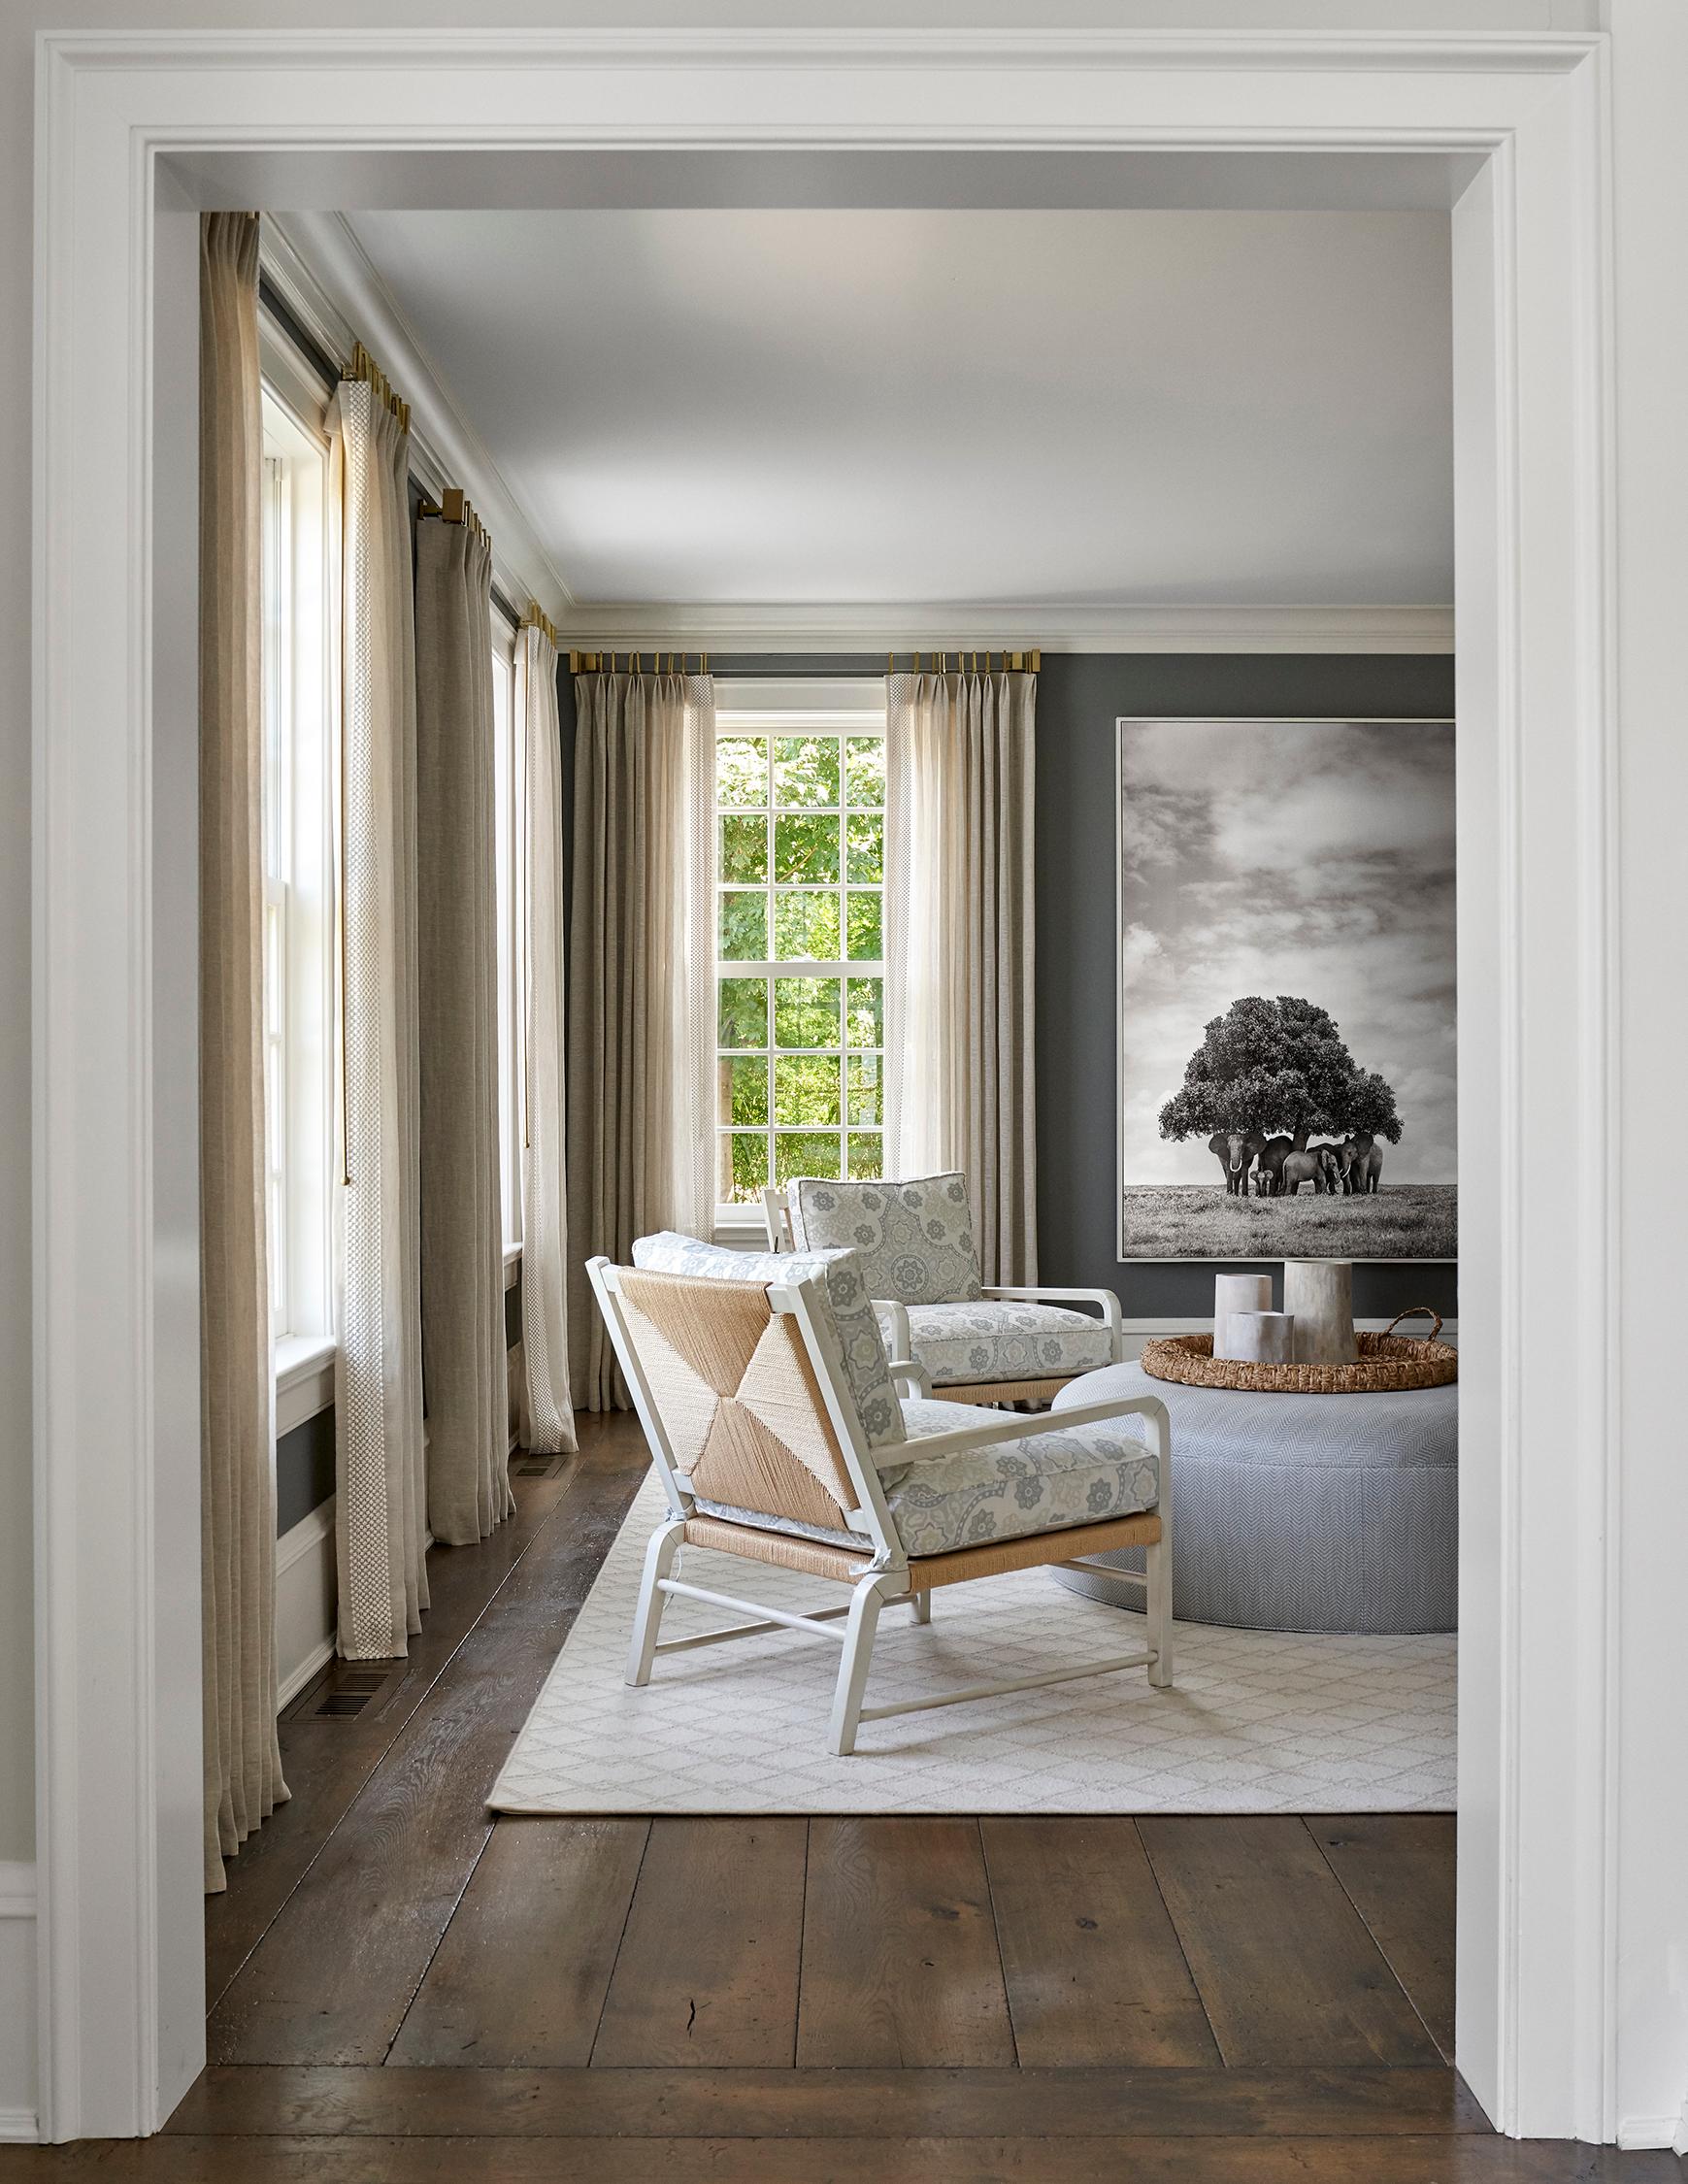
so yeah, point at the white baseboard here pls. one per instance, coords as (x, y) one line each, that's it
(18, 2111)
(1655, 2133)
(306, 1600)
(289, 1686)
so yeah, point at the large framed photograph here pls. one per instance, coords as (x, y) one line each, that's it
(1287, 1065)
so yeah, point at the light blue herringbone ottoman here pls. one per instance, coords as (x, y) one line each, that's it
(1296, 1513)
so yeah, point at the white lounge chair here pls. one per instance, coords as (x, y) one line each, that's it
(773, 1420)
(972, 1344)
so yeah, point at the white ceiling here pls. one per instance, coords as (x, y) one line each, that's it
(807, 406)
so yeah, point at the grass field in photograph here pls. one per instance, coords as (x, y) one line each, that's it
(1200, 1221)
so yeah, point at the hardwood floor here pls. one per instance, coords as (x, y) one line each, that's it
(402, 1989)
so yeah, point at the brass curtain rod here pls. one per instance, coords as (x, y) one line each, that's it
(604, 663)
(453, 507)
(967, 662)
(363, 366)
(936, 663)
(536, 617)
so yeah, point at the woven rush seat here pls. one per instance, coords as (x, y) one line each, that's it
(974, 1498)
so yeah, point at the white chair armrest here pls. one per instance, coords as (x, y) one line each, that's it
(909, 1377)
(1020, 1428)
(900, 1345)
(1104, 1299)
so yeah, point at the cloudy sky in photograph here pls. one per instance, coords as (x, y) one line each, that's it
(1304, 857)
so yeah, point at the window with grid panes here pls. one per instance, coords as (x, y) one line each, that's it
(510, 810)
(276, 801)
(800, 819)
(300, 671)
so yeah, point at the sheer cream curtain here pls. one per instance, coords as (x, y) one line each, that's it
(464, 1369)
(959, 968)
(243, 1763)
(383, 1584)
(641, 1139)
(546, 1418)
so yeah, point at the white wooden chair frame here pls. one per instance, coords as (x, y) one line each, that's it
(782, 1237)
(887, 1578)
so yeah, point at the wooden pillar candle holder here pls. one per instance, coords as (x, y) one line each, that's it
(1320, 1295)
(1237, 1293)
(1261, 1338)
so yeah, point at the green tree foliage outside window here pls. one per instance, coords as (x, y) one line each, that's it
(800, 939)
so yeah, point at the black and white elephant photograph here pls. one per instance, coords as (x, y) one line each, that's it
(1287, 1043)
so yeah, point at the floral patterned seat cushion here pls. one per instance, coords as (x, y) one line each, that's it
(915, 1239)
(853, 1340)
(1001, 1338)
(1011, 1488)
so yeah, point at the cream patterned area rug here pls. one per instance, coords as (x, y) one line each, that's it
(1258, 1722)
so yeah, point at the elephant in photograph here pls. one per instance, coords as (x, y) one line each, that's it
(1236, 1151)
(1316, 1165)
(1364, 1162)
(1273, 1155)
(1333, 1176)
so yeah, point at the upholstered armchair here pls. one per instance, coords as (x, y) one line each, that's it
(773, 1420)
(968, 1342)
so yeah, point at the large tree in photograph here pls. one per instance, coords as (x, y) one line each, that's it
(1278, 1066)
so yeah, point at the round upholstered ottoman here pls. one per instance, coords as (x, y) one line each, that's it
(1291, 1512)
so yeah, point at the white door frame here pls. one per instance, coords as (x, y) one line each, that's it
(114, 1265)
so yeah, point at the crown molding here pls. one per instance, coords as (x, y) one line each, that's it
(1053, 625)
(319, 265)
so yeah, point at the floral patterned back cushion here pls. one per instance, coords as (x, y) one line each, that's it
(849, 1332)
(915, 1239)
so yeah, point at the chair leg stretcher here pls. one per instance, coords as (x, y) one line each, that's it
(1013, 1683)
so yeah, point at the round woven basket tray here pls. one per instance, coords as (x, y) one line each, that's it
(1386, 1362)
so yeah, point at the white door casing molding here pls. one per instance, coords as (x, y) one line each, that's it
(17, 2070)
(122, 121)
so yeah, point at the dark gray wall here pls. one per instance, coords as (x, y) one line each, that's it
(1080, 698)
(304, 1469)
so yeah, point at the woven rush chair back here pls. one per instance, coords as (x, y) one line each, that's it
(737, 1396)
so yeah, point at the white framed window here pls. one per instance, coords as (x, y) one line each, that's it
(800, 836)
(509, 796)
(298, 818)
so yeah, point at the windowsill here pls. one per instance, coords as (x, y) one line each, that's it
(741, 1227)
(298, 1356)
(511, 1264)
(303, 1367)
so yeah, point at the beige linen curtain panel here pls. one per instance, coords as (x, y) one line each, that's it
(546, 1419)
(465, 1386)
(383, 1584)
(959, 969)
(640, 983)
(243, 1763)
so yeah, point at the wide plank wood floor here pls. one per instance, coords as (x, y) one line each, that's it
(402, 1989)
